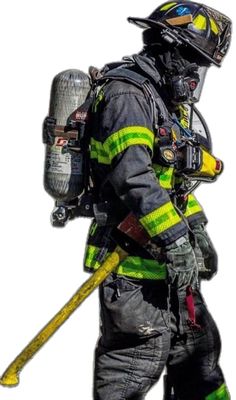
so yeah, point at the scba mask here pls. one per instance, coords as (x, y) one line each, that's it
(186, 87)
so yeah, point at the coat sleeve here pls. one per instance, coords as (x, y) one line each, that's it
(128, 139)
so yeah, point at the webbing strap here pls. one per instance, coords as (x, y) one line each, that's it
(125, 74)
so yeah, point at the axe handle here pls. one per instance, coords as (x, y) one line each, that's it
(11, 375)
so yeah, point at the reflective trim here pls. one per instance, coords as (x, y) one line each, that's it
(99, 98)
(168, 6)
(91, 253)
(120, 141)
(200, 22)
(161, 219)
(93, 228)
(214, 27)
(184, 117)
(133, 267)
(131, 135)
(141, 268)
(165, 175)
(193, 207)
(220, 394)
(97, 152)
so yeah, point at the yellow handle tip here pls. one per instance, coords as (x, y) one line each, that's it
(9, 380)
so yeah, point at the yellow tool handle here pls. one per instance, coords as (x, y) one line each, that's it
(11, 375)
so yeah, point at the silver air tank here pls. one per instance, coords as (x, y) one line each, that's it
(63, 178)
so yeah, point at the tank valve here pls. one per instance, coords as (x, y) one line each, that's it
(60, 216)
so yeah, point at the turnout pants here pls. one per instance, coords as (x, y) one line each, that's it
(145, 326)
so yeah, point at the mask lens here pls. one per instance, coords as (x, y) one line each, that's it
(193, 85)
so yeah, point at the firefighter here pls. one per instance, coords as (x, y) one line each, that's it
(143, 158)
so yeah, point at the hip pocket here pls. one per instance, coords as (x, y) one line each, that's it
(133, 307)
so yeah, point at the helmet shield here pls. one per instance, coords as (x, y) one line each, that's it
(199, 126)
(191, 24)
(198, 91)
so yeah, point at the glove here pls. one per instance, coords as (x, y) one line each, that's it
(205, 253)
(181, 264)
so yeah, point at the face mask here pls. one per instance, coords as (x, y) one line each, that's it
(186, 87)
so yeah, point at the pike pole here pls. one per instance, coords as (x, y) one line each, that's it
(11, 375)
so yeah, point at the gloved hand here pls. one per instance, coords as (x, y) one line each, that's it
(181, 263)
(205, 253)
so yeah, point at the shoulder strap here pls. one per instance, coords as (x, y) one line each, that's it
(122, 72)
(126, 74)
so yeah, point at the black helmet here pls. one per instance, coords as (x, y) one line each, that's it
(187, 23)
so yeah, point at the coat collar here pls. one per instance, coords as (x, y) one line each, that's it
(147, 65)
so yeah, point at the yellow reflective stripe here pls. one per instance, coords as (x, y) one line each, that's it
(133, 267)
(193, 207)
(98, 100)
(168, 6)
(129, 136)
(200, 22)
(140, 268)
(164, 175)
(184, 117)
(120, 141)
(214, 27)
(91, 253)
(97, 152)
(160, 220)
(93, 228)
(220, 394)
